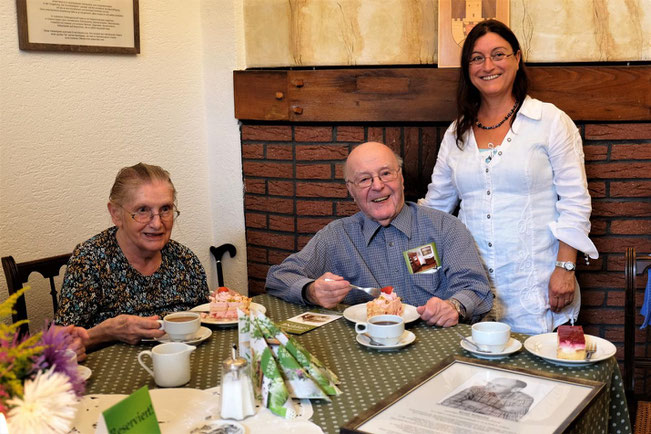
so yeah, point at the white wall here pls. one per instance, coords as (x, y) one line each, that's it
(68, 122)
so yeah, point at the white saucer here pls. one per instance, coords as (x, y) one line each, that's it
(511, 347)
(202, 334)
(84, 372)
(544, 346)
(357, 313)
(406, 339)
(224, 322)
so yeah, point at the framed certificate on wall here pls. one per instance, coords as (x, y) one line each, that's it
(86, 26)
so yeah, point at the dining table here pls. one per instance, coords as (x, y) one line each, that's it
(367, 376)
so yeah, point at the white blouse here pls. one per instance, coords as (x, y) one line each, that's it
(517, 205)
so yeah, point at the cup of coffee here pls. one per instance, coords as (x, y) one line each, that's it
(171, 363)
(384, 329)
(491, 336)
(181, 326)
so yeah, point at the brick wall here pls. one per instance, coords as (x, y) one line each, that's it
(294, 186)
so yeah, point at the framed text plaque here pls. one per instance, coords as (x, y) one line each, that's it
(472, 396)
(86, 26)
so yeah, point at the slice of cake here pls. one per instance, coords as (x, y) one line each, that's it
(388, 303)
(571, 343)
(224, 303)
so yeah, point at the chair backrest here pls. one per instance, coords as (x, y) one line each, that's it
(17, 275)
(636, 264)
(218, 252)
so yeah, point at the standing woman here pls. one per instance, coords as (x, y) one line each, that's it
(516, 165)
(119, 282)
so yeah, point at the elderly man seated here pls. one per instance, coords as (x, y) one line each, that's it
(367, 249)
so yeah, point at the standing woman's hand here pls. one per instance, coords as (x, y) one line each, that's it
(561, 289)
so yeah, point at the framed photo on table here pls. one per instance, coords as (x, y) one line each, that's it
(84, 26)
(480, 397)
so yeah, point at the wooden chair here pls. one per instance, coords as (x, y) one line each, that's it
(17, 275)
(636, 264)
(218, 253)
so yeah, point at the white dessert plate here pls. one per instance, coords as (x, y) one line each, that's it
(406, 339)
(206, 308)
(202, 334)
(84, 372)
(357, 313)
(511, 347)
(544, 346)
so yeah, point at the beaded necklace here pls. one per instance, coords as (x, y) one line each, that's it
(508, 115)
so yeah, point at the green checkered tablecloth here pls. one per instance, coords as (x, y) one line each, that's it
(367, 376)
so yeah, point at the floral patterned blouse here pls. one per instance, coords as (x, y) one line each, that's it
(100, 283)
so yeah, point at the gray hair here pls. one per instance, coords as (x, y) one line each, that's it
(128, 178)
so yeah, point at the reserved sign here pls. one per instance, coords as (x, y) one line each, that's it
(133, 415)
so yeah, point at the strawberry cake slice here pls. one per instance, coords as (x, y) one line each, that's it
(571, 343)
(224, 303)
(388, 303)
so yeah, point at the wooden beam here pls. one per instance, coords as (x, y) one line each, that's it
(585, 93)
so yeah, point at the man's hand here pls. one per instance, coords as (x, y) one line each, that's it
(561, 289)
(126, 328)
(438, 312)
(327, 293)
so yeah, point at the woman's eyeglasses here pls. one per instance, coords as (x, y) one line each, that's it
(479, 59)
(146, 214)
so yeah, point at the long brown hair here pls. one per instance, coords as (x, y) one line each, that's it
(468, 97)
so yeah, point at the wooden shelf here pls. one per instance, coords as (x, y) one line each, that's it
(585, 93)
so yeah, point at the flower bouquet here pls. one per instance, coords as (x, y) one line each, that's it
(39, 380)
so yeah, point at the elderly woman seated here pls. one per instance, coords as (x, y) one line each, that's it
(120, 281)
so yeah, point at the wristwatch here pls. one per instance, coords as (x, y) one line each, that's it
(567, 265)
(461, 311)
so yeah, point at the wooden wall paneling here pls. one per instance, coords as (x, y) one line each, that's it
(260, 95)
(585, 93)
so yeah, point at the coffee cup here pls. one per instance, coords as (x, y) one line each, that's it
(383, 329)
(491, 336)
(181, 326)
(171, 363)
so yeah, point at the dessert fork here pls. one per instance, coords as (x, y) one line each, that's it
(590, 349)
(375, 292)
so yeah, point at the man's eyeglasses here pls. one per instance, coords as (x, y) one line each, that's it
(385, 175)
(145, 214)
(479, 59)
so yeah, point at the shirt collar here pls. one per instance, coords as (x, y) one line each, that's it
(402, 222)
(531, 108)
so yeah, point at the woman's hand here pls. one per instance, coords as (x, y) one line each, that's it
(126, 328)
(561, 289)
(79, 337)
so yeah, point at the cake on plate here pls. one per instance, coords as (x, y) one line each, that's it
(571, 343)
(224, 303)
(388, 303)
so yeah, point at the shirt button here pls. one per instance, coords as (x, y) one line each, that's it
(488, 216)
(487, 170)
(499, 153)
(488, 192)
(490, 244)
(508, 140)
(490, 270)
(391, 244)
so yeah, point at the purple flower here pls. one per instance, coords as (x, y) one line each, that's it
(56, 341)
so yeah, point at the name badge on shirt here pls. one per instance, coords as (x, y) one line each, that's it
(423, 259)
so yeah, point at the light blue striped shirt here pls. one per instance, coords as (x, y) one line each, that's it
(367, 254)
